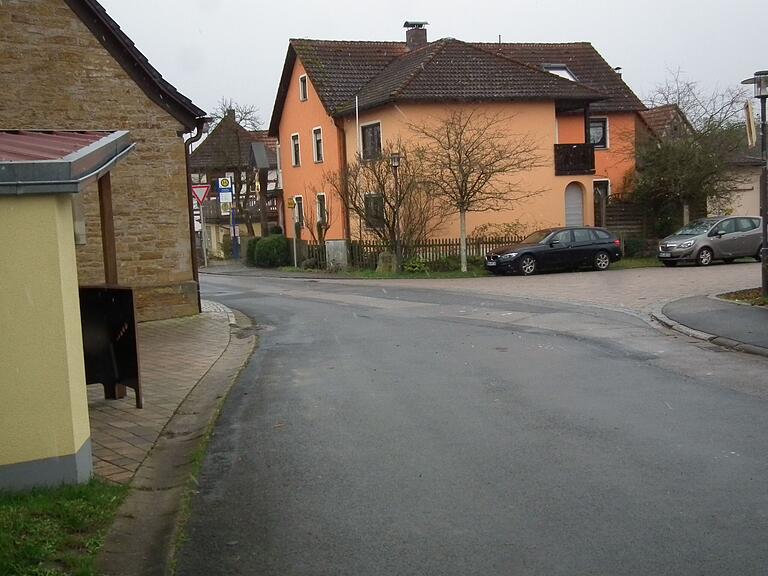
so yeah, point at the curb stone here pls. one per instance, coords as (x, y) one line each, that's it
(721, 341)
(141, 540)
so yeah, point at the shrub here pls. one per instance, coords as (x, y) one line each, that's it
(415, 265)
(226, 246)
(250, 251)
(445, 264)
(633, 247)
(476, 261)
(272, 251)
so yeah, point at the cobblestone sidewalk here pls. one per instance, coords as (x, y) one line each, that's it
(174, 355)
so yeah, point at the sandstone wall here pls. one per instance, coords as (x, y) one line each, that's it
(56, 75)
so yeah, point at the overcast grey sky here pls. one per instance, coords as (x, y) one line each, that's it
(235, 48)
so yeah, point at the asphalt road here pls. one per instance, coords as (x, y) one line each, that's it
(404, 431)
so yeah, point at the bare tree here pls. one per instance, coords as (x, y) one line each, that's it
(401, 210)
(472, 163)
(247, 115)
(235, 149)
(318, 220)
(691, 168)
(704, 110)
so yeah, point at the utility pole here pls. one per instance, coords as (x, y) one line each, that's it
(760, 82)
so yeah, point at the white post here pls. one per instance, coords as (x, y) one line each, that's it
(203, 237)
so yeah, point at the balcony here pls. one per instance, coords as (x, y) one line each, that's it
(574, 159)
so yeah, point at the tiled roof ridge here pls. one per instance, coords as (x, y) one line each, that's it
(369, 42)
(536, 69)
(439, 46)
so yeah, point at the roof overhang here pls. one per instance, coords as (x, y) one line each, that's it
(67, 174)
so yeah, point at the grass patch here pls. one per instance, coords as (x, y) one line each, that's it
(54, 531)
(751, 296)
(628, 263)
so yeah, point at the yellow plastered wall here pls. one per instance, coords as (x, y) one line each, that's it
(536, 120)
(43, 404)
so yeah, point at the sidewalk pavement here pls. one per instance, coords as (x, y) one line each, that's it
(738, 326)
(173, 355)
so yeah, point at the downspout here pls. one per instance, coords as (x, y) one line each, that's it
(341, 136)
(199, 127)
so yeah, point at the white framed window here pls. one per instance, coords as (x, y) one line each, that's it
(602, 186)
(298, 210)
(598, 133)
(322, 208)
(560, 70)
(370, 138)
(303, 91)
(279, 183)
(317, 144)
(295, 150)
(374, 211)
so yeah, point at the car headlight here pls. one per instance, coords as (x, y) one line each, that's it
(508, 256)
(687, 244)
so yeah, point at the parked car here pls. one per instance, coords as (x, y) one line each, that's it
(557, 248)
(707, 239)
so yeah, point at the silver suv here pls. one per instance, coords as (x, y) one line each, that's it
(708, 239)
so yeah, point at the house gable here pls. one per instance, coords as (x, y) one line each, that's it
(136, 65)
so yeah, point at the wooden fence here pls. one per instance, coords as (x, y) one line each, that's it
(364, 254)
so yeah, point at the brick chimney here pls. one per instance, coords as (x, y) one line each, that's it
(415, 35)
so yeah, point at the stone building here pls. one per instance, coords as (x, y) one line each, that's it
(66, 65)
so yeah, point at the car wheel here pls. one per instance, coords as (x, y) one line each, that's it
(758, 256)
(527, 265)
(704, 257)
(670, 264)
(602, 261)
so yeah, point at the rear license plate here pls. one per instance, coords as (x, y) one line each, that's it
(664, 254)
(490, 263)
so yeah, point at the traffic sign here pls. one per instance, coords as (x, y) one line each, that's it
(225, 185)
(200, 192)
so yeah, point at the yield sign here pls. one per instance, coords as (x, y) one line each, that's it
(200, 192)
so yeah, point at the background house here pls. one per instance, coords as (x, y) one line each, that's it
(227, 152)
(335, 99)
(67, 65)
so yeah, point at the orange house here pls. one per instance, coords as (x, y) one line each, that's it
(337, 99)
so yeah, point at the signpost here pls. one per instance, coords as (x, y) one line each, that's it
(226, 189)
(200, 192)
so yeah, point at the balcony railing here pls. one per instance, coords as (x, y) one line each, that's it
(574, 159)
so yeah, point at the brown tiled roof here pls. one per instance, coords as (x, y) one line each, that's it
(136, 65)
(226, 145)
(339, 70)
(661, 119)
(451, 70)
(586, 63)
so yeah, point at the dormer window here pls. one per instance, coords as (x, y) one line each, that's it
(560, 70)
(303, 87)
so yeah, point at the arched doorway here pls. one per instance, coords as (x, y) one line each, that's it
(574, 204)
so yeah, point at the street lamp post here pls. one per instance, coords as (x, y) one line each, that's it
(760, 82)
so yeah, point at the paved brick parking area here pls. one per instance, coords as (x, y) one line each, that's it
(636, 290)
(174, 355)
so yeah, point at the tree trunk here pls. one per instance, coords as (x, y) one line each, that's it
(463, 241)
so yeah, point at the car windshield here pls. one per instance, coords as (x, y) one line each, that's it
(537, 236)
(695, 228)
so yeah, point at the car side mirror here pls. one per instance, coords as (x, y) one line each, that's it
(720, 233)
(552, 243)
